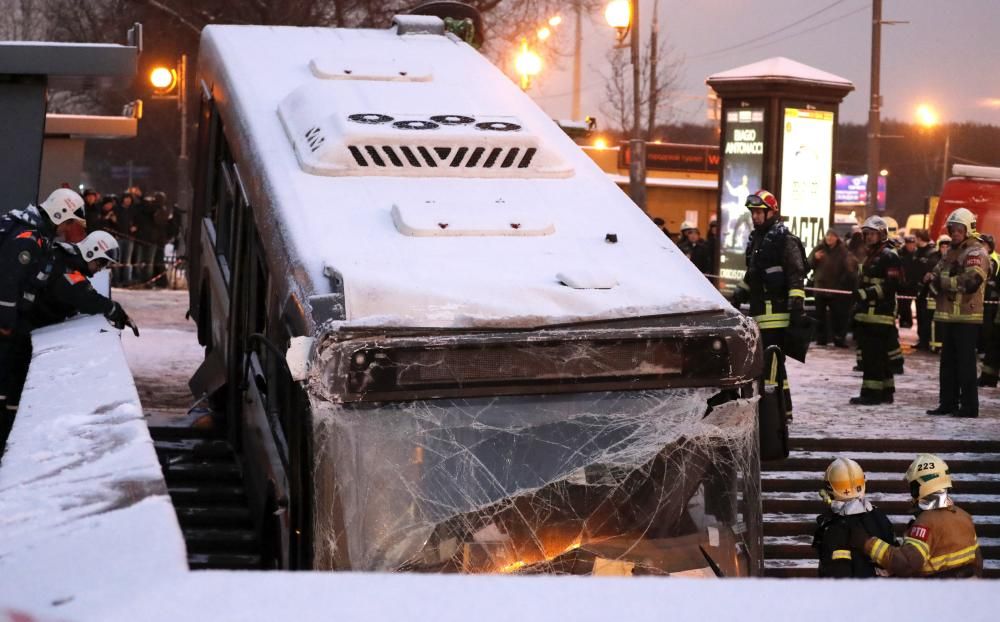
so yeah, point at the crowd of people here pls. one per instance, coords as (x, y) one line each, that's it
(143, 225)
(46, 257)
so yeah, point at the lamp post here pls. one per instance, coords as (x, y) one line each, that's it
(527, 63)
(171, 83)
(623, 16)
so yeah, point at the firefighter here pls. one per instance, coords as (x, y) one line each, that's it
(958, 282)
(875, 313)
(694, 248)
(944, 244)
(990, 294)
(847, 508)
(940, 542)
(26, 237)
(927, 257)
(991, 320)
(773, 284)
(68, 291)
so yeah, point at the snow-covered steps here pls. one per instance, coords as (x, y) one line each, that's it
(791, 501)
(205, 483)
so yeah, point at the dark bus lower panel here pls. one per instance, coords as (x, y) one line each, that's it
(607, 483)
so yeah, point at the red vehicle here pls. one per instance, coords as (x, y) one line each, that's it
(976, 188)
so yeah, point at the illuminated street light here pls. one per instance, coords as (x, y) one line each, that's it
(555, 20)
(600, 143)
(163, 79)
(927, 116)
(619, 15)
(544, 33)
(528, 64)
(884, 172)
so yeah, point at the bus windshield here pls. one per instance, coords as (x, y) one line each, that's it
(619, 482)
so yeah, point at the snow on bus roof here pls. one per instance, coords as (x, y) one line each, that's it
(348, 147)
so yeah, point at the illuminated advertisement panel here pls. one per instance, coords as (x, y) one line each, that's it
(807, 173)
(742, 171)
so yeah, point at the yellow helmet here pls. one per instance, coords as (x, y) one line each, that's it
(927, 474)
(845, 480)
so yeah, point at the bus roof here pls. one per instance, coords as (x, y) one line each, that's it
(365, 143)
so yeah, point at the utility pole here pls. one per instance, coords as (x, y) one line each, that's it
(944, 165)
(654, 35)
(183, 175)
(577, 114)
(637, 146)
(874, 112)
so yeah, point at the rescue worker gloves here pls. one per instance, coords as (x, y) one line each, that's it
(927, 475)
(963, 217)
(64, 205)
(119, 319)
(844, 480)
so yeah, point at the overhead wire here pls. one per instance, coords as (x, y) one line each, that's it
(767, 35)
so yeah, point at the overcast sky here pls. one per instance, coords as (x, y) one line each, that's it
(947, 55)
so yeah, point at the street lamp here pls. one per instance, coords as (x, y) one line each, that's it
(928, 117)
(623, 16)
(171, 83)
(527, 64)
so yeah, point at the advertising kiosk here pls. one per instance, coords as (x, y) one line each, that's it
(779, 121)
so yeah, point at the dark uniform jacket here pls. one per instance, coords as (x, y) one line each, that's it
(911, 271)
(24, 250)
(938, 543)
(698, 253)
(881, 276)
(775, 276)
(68, 291)
(832, 543)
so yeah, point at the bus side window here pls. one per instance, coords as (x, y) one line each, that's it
(225, 222)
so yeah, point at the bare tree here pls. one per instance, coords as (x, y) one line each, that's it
(22, 20)
(659, 74)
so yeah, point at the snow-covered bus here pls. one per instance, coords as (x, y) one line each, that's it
(442, 338)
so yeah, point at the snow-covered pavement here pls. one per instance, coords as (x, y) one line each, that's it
(166, 353)
(822, 387)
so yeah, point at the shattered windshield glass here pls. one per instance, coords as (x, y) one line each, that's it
(607, 483)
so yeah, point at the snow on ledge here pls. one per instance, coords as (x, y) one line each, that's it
(84, 512)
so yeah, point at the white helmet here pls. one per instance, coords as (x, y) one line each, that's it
(687, 226)
(878, 224)
(98, 245)
(62, 206)
(964, 217)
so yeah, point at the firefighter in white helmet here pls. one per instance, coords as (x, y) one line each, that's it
(940, 542)
(694, 248)
(875, 313)
(847, 508)
(26, 239)
(67, 290)
(958, 282)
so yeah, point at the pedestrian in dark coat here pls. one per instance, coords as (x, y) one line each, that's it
(832, 269)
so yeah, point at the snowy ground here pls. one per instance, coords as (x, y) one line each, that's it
(166, 353)
(822, 387)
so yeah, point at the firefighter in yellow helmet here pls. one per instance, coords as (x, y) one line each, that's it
(958, 282)
(847, 509)
(940, 542)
